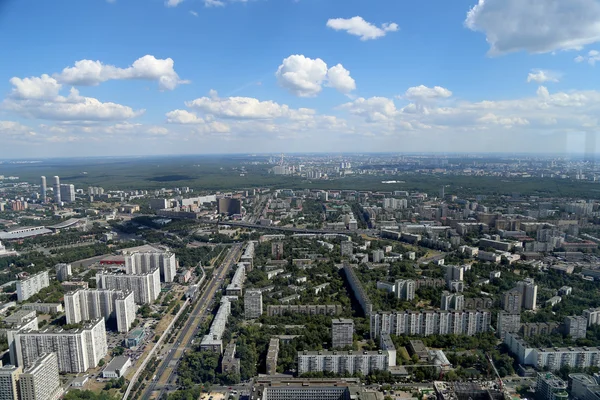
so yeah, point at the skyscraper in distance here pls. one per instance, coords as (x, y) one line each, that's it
(43, 188)
(56, 189)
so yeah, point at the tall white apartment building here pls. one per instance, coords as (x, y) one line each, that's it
(41, 381)
(144, 262)
(405, 289)
(340, 362)
(9, 376)
(529, 293)
(253, 304)
(145, 286)
(342, 332)
(67, 193)
(89, 304)
(452, 301)
(30, 286)
(63, 272)
(76, 350)
(430, 322)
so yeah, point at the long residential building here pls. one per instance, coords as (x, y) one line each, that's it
(341, 362)
(145, 287)
(310, 309)
(554, 358)
(430, 322)
(145, 262)
(89, 304)
(357, 289)
(77, 350)
(41, 380)
(235, 288)
(30, 286)
(213, 340)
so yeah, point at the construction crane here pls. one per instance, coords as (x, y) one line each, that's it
(500, 383)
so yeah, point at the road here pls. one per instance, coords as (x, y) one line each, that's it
(165, 373)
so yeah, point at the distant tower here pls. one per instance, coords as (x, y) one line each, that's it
(443, 192)
(56, 189)
(43, 188)
(281, 162)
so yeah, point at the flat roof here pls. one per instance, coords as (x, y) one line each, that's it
(117, 363)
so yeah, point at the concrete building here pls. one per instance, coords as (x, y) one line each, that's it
(550, 387)
(230, 364)
(310, 309)
(346, 247)
(386, 344)
(342, 332)
(378, 255)
(145, 287)
(86, 305)
(31, 285)
(528, 290)
(44, 308)
(452, 301)
(340, 362)
(272, 356)
(576, 327)
(236, 287)
(507, 322)
(43, 189)
(430, 322)
(77, 350)
(512, 301)
(584, 387)
(309, 389)
(56, 188)
(67, 193)
(455, 273)
(592, 315)
(41, 380)
(253, 304)
(229, 206)
(277, 250)
(405, 289)
(117, 367)
(19, 317)
(213, 341)
(145, 262)
(9, 376)
(63, 272)
(358, 291)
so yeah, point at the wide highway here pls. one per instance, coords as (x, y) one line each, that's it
(165, 372)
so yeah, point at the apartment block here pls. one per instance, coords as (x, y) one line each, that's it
(33, 284)
(145, 286)
(63, 272)
(310, 309)
(9, 376)
(550, 387)
(358, 291)
(341, 362)
(41, 380)
(236, 287)
(89, 304)
(253, 304)
(272, 356)
(342, 332)
(145, 262)
(528, 290)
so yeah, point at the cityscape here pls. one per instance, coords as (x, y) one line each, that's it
(299, 200)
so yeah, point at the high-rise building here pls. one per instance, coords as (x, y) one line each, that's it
(253, 304)
(67, 193)
(550, 387)
(30, 286)
(9, 376)
(346, 248)
(144, 262)
(576, 327)
(277, 250)
(43, 193)
(528, 290)
(41, 380)
(57, 198)
(229, 206)
(455, 273)
(340, 362)
(342, 331)
(378, 255)
(77, 350)
(452, 301)
(145, 287)
(507, 323)
(405, 289)
(512, 301)
(90, 304)
(63, 272)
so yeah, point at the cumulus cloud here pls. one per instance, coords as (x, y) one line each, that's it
(591, 57)
(374, 109)
(173, 3)
(11, 128)
(305, 77)
(542, 76)
(148, 67)
(423, 93)
(357, 26)
(183, 117)
(536, 26)
(43, 87)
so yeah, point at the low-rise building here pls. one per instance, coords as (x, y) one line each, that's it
(117, 367)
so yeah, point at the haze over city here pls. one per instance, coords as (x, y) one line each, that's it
(221, 76)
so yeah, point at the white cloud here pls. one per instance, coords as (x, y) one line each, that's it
(541, 76)
(183, 117)
(423, 93)
(173, 3)
(591, 57)
(357, 26)
(214, 3)
(148, 67)
(43, 87)
(194, 13)
(536, 26)
(507, 122)
(374, 109)
(11, 128)
(340, 79)
(305, 77)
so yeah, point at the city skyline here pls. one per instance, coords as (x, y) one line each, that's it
(221, 76)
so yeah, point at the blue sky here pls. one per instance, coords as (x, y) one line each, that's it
(120, 77)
